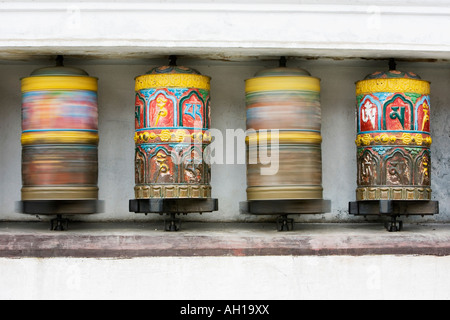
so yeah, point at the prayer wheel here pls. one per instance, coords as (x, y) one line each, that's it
(285, 101)
(59, 135)
(172, 118)
(393, 137)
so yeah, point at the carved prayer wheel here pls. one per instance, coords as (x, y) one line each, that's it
(393, 137)
(287, 101)
(59, 135)
(172, 118)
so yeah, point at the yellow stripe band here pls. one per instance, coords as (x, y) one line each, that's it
(56, 137)
(39, 83)
(290, 137)
(282, 83)
(148, 81)
(393, 85)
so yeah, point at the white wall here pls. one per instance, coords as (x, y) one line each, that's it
(227, 278)
(116, 125)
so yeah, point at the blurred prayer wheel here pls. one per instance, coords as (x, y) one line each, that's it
(172, 118)
(59, 135)
(393, 137)
(286, 100)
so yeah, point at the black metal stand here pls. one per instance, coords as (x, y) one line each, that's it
(284, 223)
(59, 223)
(282, 208)
(394, 225)
(172, 224)
(59, 208)
(394, 209)
(172, 207)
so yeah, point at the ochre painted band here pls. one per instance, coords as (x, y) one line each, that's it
(40, 83)
(282, 83)
(289, 137)
(149, 81)
(284, 192)
(393, 85)
(54, 137)
(59, 193)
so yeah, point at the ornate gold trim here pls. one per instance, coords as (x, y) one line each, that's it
(393, 193)
(148, 81)
(167, 135)
(282, 83)
(393, 85)
(39, 83)
(172, 191)
(55, 137)
(286, 137)
(283, 192)
(384, 139)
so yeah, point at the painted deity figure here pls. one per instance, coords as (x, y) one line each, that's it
(424, 173)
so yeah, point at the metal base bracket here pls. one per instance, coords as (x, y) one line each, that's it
(394, 209)
(282, 208)
(172, 224)
(51, 207)
(284, 223)
(59, 223)
(394, 225)
(173, 206)
(59, 208)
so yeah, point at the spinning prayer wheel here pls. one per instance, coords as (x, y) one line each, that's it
(285, 101)
(393, 137)
(172, 118)
(59, 135)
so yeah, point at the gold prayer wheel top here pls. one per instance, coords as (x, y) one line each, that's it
(59, 78)
(282, 78)
(172, 77)
(392, 81)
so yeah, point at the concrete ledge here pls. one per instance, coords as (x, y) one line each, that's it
(128, 240)
(225, 28)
